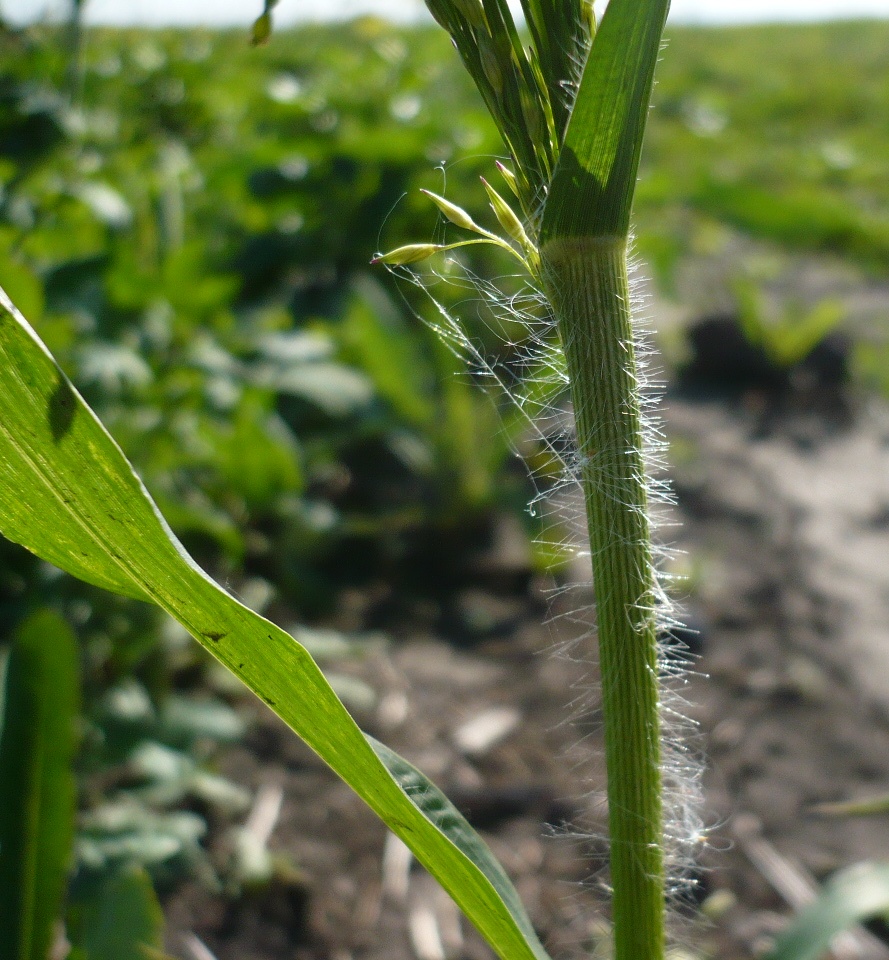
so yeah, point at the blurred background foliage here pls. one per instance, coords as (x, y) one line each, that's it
(187, 222)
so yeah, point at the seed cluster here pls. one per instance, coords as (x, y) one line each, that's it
(527, 89)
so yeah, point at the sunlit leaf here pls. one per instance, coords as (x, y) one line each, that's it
(68, 494)
(593, 185)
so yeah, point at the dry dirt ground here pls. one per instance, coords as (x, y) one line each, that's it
(784, 523)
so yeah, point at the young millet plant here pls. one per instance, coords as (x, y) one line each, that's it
(570, 101)
(571, 106)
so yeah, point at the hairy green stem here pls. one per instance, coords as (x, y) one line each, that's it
(586, 281)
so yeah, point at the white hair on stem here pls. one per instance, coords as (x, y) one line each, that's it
(532, 375)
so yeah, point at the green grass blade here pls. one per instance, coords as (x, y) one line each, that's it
(68, 494)
(561, 31)
(592, 188)
(853, 895)
(37, 789)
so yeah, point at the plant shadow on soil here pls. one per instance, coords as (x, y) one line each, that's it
(781, 518)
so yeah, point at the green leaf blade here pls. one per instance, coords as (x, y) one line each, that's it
(37, 790)
(437, 808)
(95, 519)
(594, 181)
